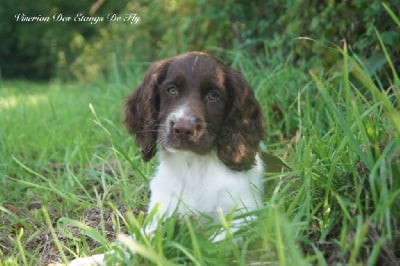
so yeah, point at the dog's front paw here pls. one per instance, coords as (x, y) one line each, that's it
(88, 261)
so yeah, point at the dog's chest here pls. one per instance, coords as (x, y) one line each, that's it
(191, 183)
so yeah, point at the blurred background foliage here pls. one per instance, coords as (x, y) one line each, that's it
(266, 30)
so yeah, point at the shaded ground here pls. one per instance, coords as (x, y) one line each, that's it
(38, 240)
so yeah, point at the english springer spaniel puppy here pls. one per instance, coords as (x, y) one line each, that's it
(204, 117)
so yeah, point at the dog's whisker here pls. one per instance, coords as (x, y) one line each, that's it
(146, 131)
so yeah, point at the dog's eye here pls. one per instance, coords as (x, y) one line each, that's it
(213, 96)
(172, 90)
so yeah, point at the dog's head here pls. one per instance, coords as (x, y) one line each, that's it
(195, 103)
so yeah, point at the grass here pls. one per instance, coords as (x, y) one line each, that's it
(71, 178)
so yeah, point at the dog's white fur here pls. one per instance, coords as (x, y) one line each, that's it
(186, 182)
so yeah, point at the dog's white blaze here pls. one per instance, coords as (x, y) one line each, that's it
(182, 112)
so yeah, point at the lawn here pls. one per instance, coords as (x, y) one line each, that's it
(72, 179)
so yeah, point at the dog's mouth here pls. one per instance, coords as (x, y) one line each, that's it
(197, 142)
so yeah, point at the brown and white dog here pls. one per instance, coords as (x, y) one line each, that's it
(208, 124)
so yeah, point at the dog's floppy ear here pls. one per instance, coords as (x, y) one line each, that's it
(243, 126)
(142, 107)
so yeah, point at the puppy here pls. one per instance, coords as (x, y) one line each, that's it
(208, 125)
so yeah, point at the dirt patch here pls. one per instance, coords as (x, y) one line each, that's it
(100, 220)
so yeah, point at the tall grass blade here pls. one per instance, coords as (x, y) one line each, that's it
(145, 251)
(392, 14)
(388, 59)
(54, 235)
(20, 247)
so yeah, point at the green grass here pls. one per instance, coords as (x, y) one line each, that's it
(71, 177)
